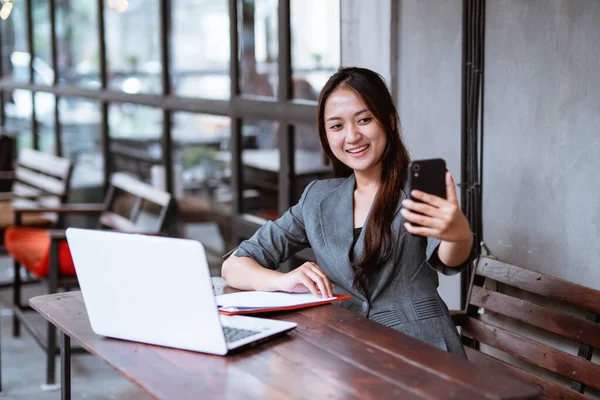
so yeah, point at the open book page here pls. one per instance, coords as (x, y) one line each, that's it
(263, 300)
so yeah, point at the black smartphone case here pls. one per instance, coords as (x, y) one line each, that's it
(428, 176)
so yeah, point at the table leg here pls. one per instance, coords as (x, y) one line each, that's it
(65, 367)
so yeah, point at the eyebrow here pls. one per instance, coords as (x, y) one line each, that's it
(355, 114)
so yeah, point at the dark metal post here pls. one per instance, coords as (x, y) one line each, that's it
(2, 98)
(34, 124)
(285, 132)
(65, 367)
(16, 288)
(53, 50)
(103, 85)
(167, 147)
(472, 123)
(51, 338)
(235, 139)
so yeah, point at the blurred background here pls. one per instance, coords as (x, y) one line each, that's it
(147, 87)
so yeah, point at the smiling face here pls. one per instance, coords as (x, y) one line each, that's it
(355, 137)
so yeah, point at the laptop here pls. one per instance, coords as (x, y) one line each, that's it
(158, 290)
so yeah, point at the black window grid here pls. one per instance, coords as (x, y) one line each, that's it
(282, 109)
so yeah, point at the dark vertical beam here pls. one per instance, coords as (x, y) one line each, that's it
(285, 131)
(2, 99)
(465, 276)
(65, 366)
(235, 140)
(481, 117)
(472, 122)
(234, 65)
(167, 146)
(54, 54)
(105, 138)
(30, 49)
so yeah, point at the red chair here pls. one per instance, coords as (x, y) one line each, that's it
(129, 206)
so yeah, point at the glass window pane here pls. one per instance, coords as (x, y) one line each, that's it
(200, 48)
(15, 53)
(202, 181)
(133, 46)
(315, 30)
(310, 162)
(259, 47)
(44, 114)
(260, 168)
(135, 145)
(78, 56)
(81, 141)
(43, 73)
(17, 108)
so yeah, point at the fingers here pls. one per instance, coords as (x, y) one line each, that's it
(327, 283)
(317, 275)
(307, 281)
(319, 281)
(419, 219)
(428, 198)
(420, 230)
(451, 189)
(421, 208)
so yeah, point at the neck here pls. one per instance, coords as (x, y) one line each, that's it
(368, 181)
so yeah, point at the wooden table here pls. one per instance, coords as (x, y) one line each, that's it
(332, 354)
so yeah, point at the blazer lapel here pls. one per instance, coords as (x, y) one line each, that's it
(336, 215)
(384, 277)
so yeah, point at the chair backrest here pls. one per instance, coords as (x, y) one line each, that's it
(134, 206)
(553, 306)
(41, 179)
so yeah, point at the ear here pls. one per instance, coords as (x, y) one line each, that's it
(393, 122)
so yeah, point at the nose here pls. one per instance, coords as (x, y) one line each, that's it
(352, 134)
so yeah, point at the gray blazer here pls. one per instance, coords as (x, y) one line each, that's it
(405, 295)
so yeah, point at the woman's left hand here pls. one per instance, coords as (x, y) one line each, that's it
(437, 217)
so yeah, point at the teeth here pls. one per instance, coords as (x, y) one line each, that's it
(359, 149)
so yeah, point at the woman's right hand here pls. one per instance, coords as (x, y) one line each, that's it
(306, 278)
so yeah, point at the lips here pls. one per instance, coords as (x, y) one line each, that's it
(358, 150)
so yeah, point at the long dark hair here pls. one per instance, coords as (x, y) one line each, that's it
(379, 242)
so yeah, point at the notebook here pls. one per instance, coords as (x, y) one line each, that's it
(252, 302)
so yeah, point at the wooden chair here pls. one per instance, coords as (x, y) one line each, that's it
(38, 179)
(493, 309)
(129, 206)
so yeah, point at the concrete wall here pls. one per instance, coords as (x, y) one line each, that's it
(366, 38)
(542, 136)
(542, 117)
(429, 90)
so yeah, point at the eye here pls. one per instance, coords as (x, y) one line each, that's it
(365, 120)
(335, 127)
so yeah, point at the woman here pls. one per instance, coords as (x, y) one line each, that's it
(369, 239)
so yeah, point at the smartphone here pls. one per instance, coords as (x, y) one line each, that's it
(428, 176)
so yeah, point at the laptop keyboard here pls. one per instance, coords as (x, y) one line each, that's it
(233, 334)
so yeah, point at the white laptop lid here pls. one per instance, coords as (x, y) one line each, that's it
(148, 289)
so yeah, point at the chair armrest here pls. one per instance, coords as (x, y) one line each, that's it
(459, 317)
(60, 234)
(6, 196)
(61, 209)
